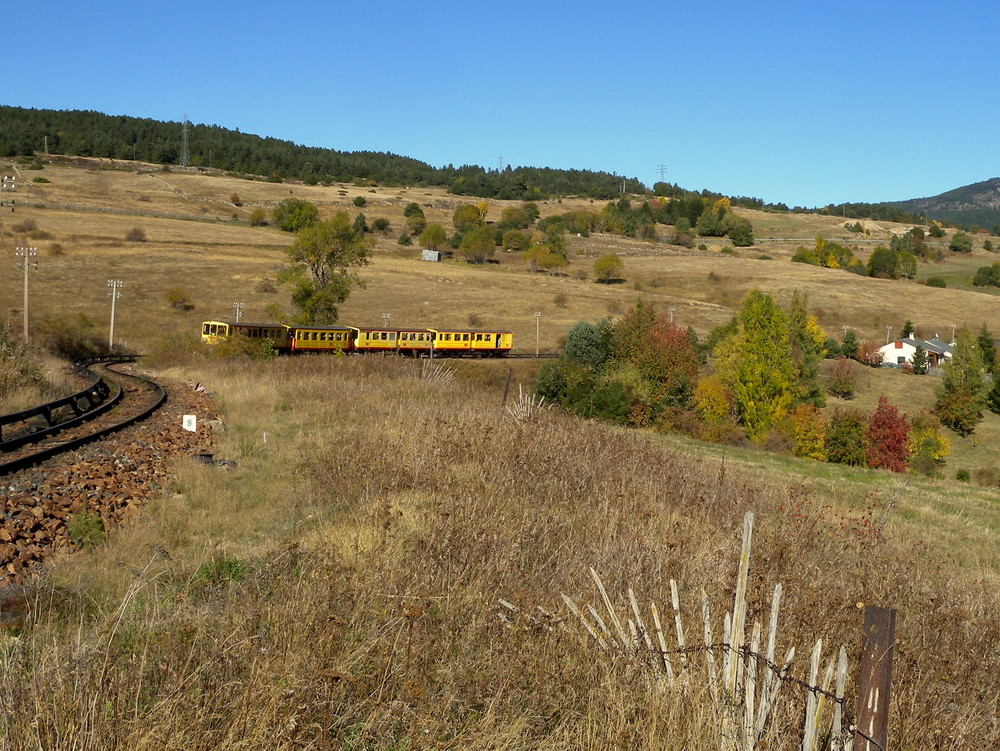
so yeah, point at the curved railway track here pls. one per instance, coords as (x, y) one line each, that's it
(110, 402)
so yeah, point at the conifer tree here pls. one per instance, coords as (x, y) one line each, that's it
(849, 345)
(962, 395)
(806, 349)
(987, 349)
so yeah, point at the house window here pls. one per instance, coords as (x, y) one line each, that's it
(900, 360)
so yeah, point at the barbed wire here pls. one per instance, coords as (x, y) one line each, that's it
(551, 620)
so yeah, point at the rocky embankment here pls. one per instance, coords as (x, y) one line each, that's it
(110, 478)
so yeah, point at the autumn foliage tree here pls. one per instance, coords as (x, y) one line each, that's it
(755, 366)
(887, 438)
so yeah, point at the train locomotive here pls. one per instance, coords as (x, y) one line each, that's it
(359, 339)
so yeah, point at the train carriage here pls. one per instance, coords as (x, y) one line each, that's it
(213, 332)
(471, 342)
(322, 339)
(415, 342)
(374, 340)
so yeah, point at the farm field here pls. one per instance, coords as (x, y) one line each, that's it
(339, 588)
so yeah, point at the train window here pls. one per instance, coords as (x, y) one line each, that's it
(479, 337)
(465, 337)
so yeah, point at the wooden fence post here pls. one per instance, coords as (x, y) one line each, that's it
(875, 680)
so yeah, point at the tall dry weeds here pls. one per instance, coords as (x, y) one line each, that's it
(375, 531)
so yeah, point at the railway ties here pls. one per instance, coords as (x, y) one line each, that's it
(112, 402)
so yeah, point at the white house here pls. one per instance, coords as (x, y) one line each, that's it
(900, 352)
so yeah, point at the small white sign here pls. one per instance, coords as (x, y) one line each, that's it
(190, 422)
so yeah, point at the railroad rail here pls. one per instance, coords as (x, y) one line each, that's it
(34, 435)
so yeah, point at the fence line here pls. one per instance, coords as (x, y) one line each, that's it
(744, 676)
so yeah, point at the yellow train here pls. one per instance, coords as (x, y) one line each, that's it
(358, 339)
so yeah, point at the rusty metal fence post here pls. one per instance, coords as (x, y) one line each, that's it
(875, 680)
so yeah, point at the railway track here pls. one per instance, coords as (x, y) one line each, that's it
(111, 401)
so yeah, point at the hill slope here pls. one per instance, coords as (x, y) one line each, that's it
(977, 204)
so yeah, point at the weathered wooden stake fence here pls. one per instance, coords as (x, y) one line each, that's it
(744, 682)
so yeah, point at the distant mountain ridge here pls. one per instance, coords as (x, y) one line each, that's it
(972, 205)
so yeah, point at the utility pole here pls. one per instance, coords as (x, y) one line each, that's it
(114, 294)
(238, 307)
(887, 330)
(185, 151)
(27, 256)
(662, 170)
(538, 318)
(670, 310)
(9, 184)
(385, 320)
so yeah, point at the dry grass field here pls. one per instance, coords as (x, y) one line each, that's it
(339, 588)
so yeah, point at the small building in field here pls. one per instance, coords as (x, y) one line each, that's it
(430, 255)
(900, 352)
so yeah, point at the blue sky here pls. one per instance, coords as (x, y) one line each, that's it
(806, 103)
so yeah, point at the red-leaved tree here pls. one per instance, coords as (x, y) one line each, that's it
(887, 437)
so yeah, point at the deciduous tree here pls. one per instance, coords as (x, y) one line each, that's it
(294, 214)
(477, 245)
(319, 267)
(887, 438)
(608, 268)
(754, 364)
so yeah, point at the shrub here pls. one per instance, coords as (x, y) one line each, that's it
(86, 529)
(608, 268)
(24, 226)
(243, 347)
(808, 432)
(70, 337)
(845, 438)
(179, 299)
(17, 367)
(936, 281)
(360, 201)
(136, 235)
(887, 438)
(221, 571)
(235, 200)
(560, 300)
(843, 381)
(258, 218)
(404, 239)
(380, 225)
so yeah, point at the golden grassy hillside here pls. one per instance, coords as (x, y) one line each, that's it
(198, 241)
(340, 587)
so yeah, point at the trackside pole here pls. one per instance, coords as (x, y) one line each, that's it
(506, 388)
(875, 679)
